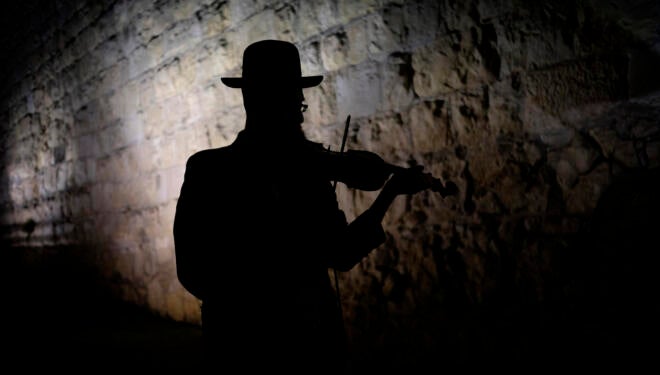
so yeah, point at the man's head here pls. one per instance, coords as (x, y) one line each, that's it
(272, 85)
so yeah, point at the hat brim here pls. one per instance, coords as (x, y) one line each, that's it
(303, 82)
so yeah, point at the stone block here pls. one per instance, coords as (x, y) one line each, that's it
(546, 48)
(122, 103)
(227, 98)
(194, 109)
(257, 27)
(241, 10)
(124, 198)
(81, 205)
(87, 146)
(491, 9)
(284, 22)
(62, 112)
(184, 10)
(580, 82)
(131, 158)
(422, 21)
(146, 156)
(176, 114)
(27, 126)
(21, 171)
(217, 134)
(42, 102)
(101, 194)
(314, 17)
(86, 41)
(387, 30)
(545, 127)
(334, 50)
(180, 36)
(175, 306)
(435, 71)
(322, 103)
(583, 197)
(30, 189)
(214, 58)
(55, 89)
(166, 213)
(173, 179)
(582, 157)
(111, 138)
(62, 174)
(348, 10)
(108, 52)
(151, 23)
(17, 193)
(167, 147)
(357, 33)
(389, 136)
(429, 128)
(164, 248)
(132, 197)
(150, 229)
(165, 78)
(511, 39)
(88, 67)
(397, 80)
(139, 61)
(214, 18)
(200, 139)
(186, 81)
(310, 58)
(192, 309)
(207, 100)
(614, 147)
(146, 91)
(105, 168)
(127, 165)
(567, 176)
(358, 91)
(470, 129)
(153, 119)
(151, 188)
(83, 173)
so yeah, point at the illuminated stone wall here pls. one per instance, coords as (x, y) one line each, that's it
(532, 110)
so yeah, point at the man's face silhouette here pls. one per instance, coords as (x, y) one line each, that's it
(275, 108)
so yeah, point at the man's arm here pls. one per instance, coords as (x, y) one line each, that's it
(366, 233)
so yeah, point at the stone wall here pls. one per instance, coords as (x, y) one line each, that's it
(533, 110)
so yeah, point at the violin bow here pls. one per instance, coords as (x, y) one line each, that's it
(334, 186)
(343, 142)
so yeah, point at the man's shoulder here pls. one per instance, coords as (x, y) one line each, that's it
(210, 155)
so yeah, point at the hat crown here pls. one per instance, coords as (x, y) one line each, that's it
(271, 62)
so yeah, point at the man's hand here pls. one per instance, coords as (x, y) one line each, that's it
(409, 181)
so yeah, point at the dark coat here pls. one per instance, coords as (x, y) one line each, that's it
(256, 232)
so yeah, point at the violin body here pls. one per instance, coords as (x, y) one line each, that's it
(365, 170)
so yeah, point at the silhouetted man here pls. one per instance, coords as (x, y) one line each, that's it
(258, 226)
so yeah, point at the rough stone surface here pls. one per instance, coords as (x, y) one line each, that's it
(533, 109)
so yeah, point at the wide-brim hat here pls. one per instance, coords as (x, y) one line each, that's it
(271, 62)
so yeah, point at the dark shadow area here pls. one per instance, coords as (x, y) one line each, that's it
(57, 317)
(615, 283)
(602, 314)
(599, 310)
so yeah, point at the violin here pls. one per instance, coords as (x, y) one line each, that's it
(366, 170)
